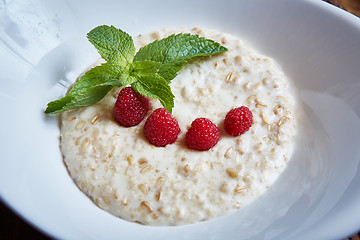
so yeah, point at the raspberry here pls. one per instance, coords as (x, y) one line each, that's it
(238, 121)
(202, 135)
(161, 128)
(130, 107)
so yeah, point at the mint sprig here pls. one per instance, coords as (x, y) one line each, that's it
(113, 44)
(174, 51)
(149, 71)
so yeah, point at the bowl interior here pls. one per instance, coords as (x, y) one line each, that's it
(319, 52)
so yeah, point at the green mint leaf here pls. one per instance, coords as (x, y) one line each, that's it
(112, 44)
(151, 84)
(155, 86)
(137, 86)
(146, 67)
(89, 89)
(85, 97)
(105, 74)
(174, 51)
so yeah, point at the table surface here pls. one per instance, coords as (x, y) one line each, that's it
(13, 227)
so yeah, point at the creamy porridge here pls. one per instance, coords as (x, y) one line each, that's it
(132, 179)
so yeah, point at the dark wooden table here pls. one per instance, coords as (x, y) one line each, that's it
(13, 227)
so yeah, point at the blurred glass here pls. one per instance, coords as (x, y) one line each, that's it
(30, 29)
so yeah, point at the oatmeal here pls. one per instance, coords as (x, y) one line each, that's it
(173, 185)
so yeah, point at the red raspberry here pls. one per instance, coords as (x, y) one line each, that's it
(202, 135)
(238, 121)
(161, 128)
(130, 107)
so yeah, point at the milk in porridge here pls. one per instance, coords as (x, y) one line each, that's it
(173, 185)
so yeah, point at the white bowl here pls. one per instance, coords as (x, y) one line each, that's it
(45, 48)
